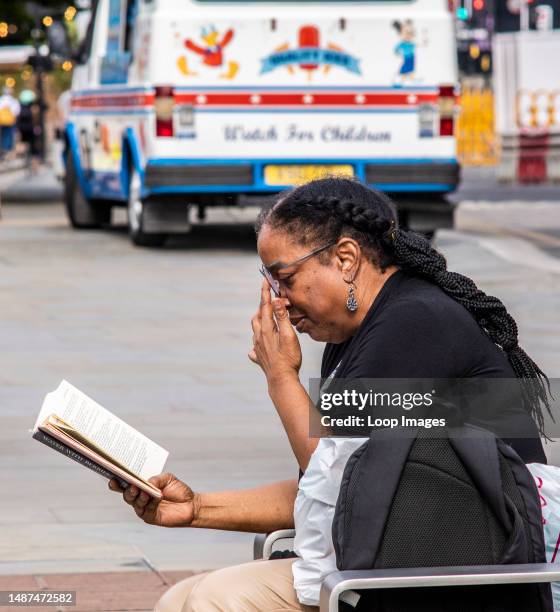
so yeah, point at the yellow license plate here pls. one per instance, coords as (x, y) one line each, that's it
(296, 175)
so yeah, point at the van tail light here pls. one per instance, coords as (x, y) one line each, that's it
(163, 105)
(446, 105)
(446, 126)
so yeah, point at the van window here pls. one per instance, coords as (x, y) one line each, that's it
(131, 13)
(114, 66)
(84, 50)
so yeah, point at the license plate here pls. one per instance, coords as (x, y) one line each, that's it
(286, 175)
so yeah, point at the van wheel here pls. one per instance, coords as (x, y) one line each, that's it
(136, 215)
(82, 212)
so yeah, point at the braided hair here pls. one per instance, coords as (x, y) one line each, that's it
(322, 211)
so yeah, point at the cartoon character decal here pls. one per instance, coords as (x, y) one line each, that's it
(406, 48)
(309, 55)
(212, 53)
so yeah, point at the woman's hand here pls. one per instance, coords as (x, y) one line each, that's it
(175, 509)
(275, 343)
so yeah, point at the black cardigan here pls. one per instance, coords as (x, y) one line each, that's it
(415, 330)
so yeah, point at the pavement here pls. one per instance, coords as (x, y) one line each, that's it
(481, 184)
(19, 184)
(8, 166)
(138, 330)
(136, 591)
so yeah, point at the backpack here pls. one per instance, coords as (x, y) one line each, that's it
(7, 117)
(410, 499)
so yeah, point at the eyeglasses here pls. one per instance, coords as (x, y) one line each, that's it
(267, 271)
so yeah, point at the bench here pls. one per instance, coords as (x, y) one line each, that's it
(342, 586)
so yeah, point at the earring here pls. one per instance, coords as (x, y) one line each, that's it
(351, 302)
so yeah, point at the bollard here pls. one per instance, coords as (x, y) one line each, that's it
(532, 161)
(553, 161)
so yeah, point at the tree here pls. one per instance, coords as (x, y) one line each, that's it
(23, 15)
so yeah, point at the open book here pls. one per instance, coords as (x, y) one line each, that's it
(76, 426)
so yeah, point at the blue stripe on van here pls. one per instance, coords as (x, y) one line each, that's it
(173, 161)
(264, 87)
(257, 87)
(252, 110)
(111, 185)
(393, 187)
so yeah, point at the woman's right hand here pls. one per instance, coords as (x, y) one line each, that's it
(175, 509)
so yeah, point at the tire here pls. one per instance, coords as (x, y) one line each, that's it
(426, 215)
(136, 215)
(83, 213)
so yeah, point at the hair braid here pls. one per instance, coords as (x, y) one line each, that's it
(322, 211)
(328, 214)
(414, 253)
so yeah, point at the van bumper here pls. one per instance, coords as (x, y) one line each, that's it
(421, 175)
(232, 176)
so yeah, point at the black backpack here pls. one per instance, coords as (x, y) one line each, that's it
(416, 500)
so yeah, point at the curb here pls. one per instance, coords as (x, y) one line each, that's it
(507, 248)
(7, 170)
(27, 196)
(517, 215)
(32, 188)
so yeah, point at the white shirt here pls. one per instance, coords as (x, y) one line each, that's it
(313, 515)
(314, 511)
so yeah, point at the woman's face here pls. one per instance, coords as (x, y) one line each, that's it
(314, 293)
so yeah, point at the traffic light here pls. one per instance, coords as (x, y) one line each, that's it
(478, 5)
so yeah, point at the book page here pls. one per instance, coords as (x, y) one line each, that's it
(127, 445)
(87, 454)
(67, 429)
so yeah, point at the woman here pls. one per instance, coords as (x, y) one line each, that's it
(385, 304)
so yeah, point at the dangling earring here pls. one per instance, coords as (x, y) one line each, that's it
(351, 302)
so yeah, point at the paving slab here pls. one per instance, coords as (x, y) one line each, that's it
(98, 592)
(24, 186)
(482, 184)
(161, 338)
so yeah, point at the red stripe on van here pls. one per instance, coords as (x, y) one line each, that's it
(305, 98)
(255, 99)
(120, 100)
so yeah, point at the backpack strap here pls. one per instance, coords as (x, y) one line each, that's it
(379, 468)
(516, 549)
(476, 448)
(530, 495)
(479, 451)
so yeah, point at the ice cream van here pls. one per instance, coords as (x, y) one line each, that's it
(181, 103)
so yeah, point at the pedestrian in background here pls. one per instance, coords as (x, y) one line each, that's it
(62, 112)
(9, 112)
(29, 127)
